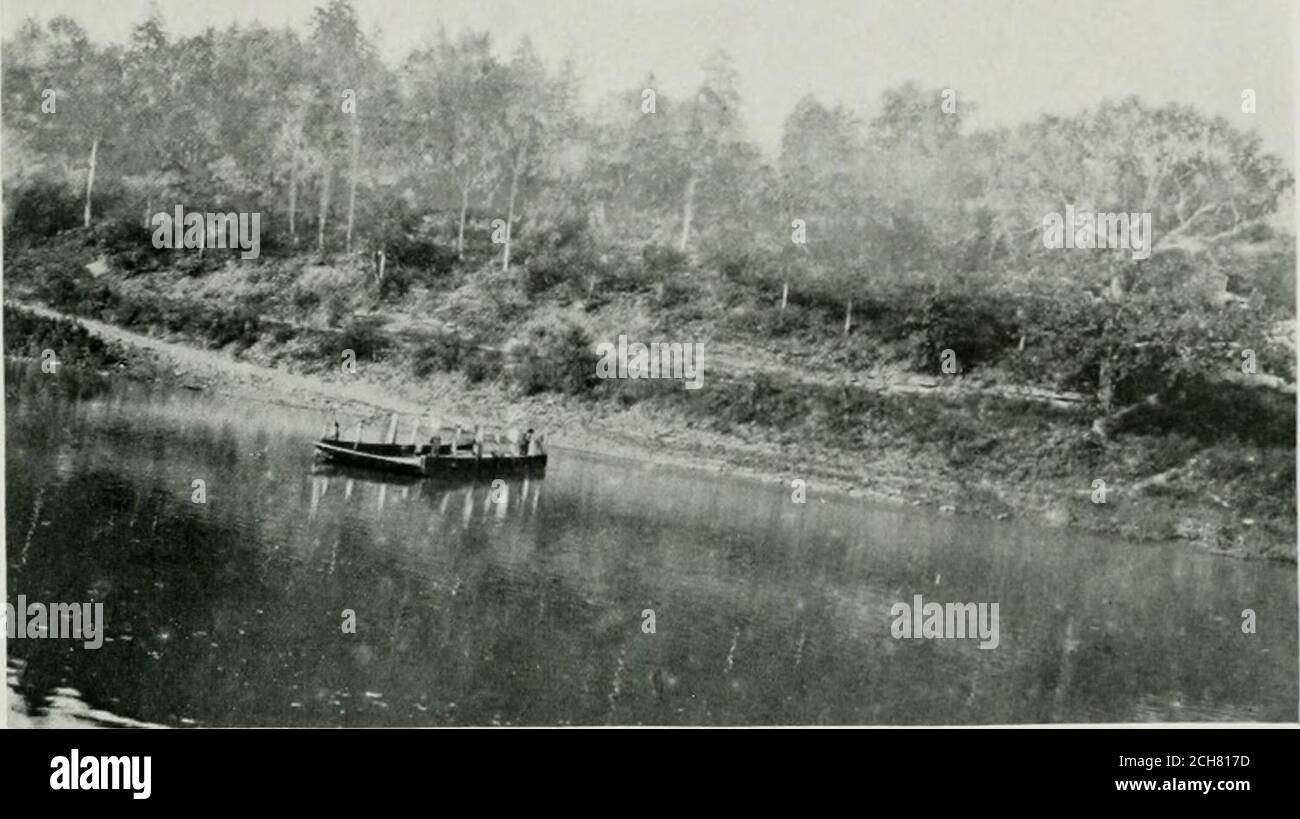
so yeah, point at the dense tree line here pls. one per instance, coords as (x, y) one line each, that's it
(906, 218)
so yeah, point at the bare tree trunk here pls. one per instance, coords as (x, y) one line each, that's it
(785, 292)
(505, 257)
(510, 212)
(324, 210)
(520, 162)
(848, 316)
(1105, 385)
(352, 179)
(148, 212)
(90, 177)
(293, 200)
(460, 236)
(1105, 392)
(688, 211)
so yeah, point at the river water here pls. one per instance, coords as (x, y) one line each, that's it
(526, 603)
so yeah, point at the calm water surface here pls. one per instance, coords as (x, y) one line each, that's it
(528, 609)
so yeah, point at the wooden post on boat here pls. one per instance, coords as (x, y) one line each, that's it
(357, 442)
(392, 430)
(455, 442)
(478, 444)
(415, 431)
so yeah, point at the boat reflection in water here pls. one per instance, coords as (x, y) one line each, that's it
(500, 498)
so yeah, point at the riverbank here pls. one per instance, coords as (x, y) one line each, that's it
(1192, 500)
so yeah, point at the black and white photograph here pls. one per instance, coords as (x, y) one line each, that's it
(713, 363)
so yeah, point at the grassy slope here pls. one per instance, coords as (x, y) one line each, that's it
(778, 407)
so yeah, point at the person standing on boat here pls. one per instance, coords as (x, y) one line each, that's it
(524, 441)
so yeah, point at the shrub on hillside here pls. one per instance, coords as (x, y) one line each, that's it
(336, 305)
(1209, 411)
(551, 353)
(425, 259)
(397, 282)
(240, 326)
(563, 254)
(678, 291)
(769, 320)
(30, 334)
(363, 336)
(490, 301)
(973, 324)
(43, 208)
(762, 399)
(71, 289)
(441, 351)
(1062, 337)
(478, 366)
(304, 301)
(129, 245)
(741, 265)
(660, 260)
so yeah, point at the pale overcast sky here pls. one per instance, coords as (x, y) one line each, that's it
(1015, 58)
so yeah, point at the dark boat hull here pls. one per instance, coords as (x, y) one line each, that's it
(420, 462)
